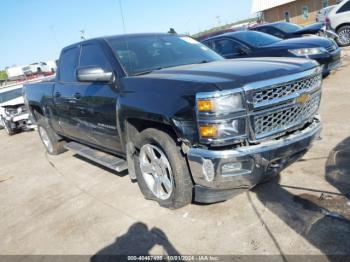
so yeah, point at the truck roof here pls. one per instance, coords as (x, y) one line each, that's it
(122, 36)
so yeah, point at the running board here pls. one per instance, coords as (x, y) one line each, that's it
(104, 159)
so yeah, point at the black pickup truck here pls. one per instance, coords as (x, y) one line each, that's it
(187, 124)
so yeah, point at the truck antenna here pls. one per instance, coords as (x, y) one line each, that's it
(122, 15)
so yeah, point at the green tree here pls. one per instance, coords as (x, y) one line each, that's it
(3, 75)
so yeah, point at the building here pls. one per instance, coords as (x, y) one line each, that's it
(296, 11)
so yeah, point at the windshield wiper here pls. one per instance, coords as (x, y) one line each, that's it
(146, 72)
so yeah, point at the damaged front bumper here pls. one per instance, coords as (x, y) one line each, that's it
(18, 121)
(218, 175)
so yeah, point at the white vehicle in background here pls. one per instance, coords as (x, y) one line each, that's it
(39, 68)
(322, 14)
(52, 65)
(13, 113)
(339, 20)
(15, 73)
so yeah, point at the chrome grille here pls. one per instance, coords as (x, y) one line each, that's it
(285, 90)
(281, 120)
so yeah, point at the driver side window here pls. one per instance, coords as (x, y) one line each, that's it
(272, 31)
(227, 47)
(93, 55)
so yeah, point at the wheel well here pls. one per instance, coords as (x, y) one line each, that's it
(37, 111)
(136, 126)
(339, 26)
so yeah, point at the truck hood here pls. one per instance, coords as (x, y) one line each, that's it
(234, 73)
(13, 102)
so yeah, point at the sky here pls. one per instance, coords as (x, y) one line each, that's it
(36, 30)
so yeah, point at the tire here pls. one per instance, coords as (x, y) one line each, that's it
(168, 166)
(51, 141)
(7, 127)
(344, 36)
(2, 124)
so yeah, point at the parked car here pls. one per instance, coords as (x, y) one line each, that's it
(13, 113)
(287, 30)
(323, 13)
(183, 120)
(338, 19)
(257, 44)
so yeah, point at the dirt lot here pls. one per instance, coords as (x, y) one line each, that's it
(66, 205)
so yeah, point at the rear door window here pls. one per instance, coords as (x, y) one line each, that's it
(68, 65)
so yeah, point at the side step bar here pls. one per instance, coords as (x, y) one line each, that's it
(104, 159)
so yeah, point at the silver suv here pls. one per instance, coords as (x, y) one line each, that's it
(339, 20)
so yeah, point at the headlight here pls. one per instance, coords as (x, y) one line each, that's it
(222, 130)
(220, 104)
(305, 52)
(11, 111)
(221, 117)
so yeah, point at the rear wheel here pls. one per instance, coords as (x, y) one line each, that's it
(161, 170)
(343, 36)
(52, 142)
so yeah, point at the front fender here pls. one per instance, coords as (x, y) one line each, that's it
(176, 112)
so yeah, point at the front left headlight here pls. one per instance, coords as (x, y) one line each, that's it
(11, 111)
(306, 52)
(221, 117)
(222, 130)
(220, 104)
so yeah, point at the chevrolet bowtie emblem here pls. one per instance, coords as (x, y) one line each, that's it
(303, 98)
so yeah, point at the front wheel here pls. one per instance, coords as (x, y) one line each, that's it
(343, 36)
(7, 125)
(161, 170)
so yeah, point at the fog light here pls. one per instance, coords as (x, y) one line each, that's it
(237, 168)
(208, 170)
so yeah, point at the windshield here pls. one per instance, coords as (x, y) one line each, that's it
(255, 39)
(9, 95)
(142, 54)
(287, 27)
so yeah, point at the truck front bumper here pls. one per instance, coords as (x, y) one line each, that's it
(18, 121)
(218, 175)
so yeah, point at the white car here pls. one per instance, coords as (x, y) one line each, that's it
(339, 20)
(13, 113)
(37, 68)
(323, 13)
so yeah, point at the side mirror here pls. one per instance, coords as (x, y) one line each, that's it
(93, 74)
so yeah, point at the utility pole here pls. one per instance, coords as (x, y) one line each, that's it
(218, 19)
(82, 34)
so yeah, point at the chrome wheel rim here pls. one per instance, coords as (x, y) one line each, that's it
(344, 37)
(45, 138)
(156, 171)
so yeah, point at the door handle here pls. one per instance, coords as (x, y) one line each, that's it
(57, 94)
(77, 96)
